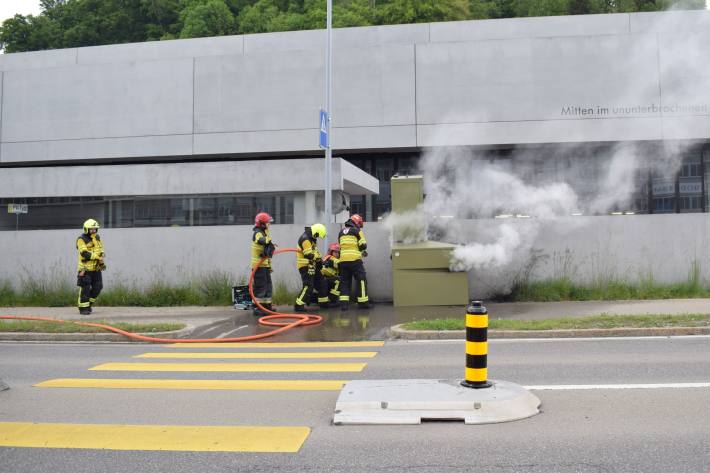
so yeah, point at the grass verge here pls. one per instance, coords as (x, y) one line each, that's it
(569, 323)
(213, 289)
(38, 326)
(563, 289)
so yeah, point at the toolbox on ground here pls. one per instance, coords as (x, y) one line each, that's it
(241, 298)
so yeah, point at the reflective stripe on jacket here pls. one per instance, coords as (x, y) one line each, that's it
(352, 243)
(90, 249)
(307, 250)
(259, 240)
(330, 271)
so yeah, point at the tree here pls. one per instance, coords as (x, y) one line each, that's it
(29, 33)
(73, 23)
(207, 18)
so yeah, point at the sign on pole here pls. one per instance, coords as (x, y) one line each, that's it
(323, 141)
(17, 208)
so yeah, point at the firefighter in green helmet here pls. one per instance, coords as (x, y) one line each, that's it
(309, 263)
(91, 263)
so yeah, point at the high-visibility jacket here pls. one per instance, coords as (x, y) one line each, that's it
(330, 266)
(260, 240)
(307, 253)
(352, 242)
(90, 249)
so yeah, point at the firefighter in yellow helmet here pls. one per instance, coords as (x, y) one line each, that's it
(262, 246)
(91, 255)
(352, 248)
(308, 261)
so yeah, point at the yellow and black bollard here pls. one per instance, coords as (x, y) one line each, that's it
(476, 347)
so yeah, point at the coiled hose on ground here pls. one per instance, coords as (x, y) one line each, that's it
(274, 319)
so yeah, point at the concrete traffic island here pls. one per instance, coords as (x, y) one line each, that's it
(411, 401)
(475, 399)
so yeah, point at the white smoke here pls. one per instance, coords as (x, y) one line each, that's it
(407, 227)
(478, 255)
(549, 183)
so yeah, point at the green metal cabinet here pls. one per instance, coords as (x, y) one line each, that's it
(421, 276)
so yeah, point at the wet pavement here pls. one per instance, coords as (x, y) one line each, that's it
(374, 323)
(355, 324)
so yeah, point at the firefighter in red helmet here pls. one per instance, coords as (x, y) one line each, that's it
(352, 249)
(262, 246)
(330, 284)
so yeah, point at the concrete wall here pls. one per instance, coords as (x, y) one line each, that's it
(626, 248)
(585, 249)
(244, 177)
(405, 86)
(143, 255)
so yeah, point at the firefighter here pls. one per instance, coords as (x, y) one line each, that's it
(330, 284)
(91, 262)
(262, 246)
(352, 248)
(308, 261)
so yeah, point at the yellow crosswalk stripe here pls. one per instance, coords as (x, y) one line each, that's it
(278, 345)
(205, 384)
(154, 437)
(233, 367)
(258, 355)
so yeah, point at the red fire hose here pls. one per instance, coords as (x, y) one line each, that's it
(267, 320)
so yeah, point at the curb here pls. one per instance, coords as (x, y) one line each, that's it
(397, 332)
(88, 337)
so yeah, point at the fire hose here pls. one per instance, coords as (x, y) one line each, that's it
(271, 320)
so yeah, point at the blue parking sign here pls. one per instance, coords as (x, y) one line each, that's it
(323, 142)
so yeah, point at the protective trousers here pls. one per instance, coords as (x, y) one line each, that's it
(350, 270)
(90, 285)
(310, 279)
(331, 288)
(263, 288)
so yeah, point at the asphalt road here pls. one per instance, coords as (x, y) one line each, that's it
(664, 429)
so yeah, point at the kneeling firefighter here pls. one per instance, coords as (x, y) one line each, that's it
(262, 246)
(330, 284)
(308, 261)
(91, 263)
(352, 248)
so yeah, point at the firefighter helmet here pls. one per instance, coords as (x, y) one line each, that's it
(91, 224)
(333, 248)
(318, 230)
(261, 219)
(357, 220)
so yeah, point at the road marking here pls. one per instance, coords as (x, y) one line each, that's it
(154, 437)
(258, 355)
(554, 339)
(277, 345)
(224, 335)
(234, 367)
(572, 387)
(203, 384)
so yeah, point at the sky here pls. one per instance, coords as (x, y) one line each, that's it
(8, 8)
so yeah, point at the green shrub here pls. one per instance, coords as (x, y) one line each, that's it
(283, 294)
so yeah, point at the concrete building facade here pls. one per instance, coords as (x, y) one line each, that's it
(155, 134)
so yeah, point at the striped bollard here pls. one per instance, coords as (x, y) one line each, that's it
(476, 347)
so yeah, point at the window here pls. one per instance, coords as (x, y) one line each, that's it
(123, 212)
